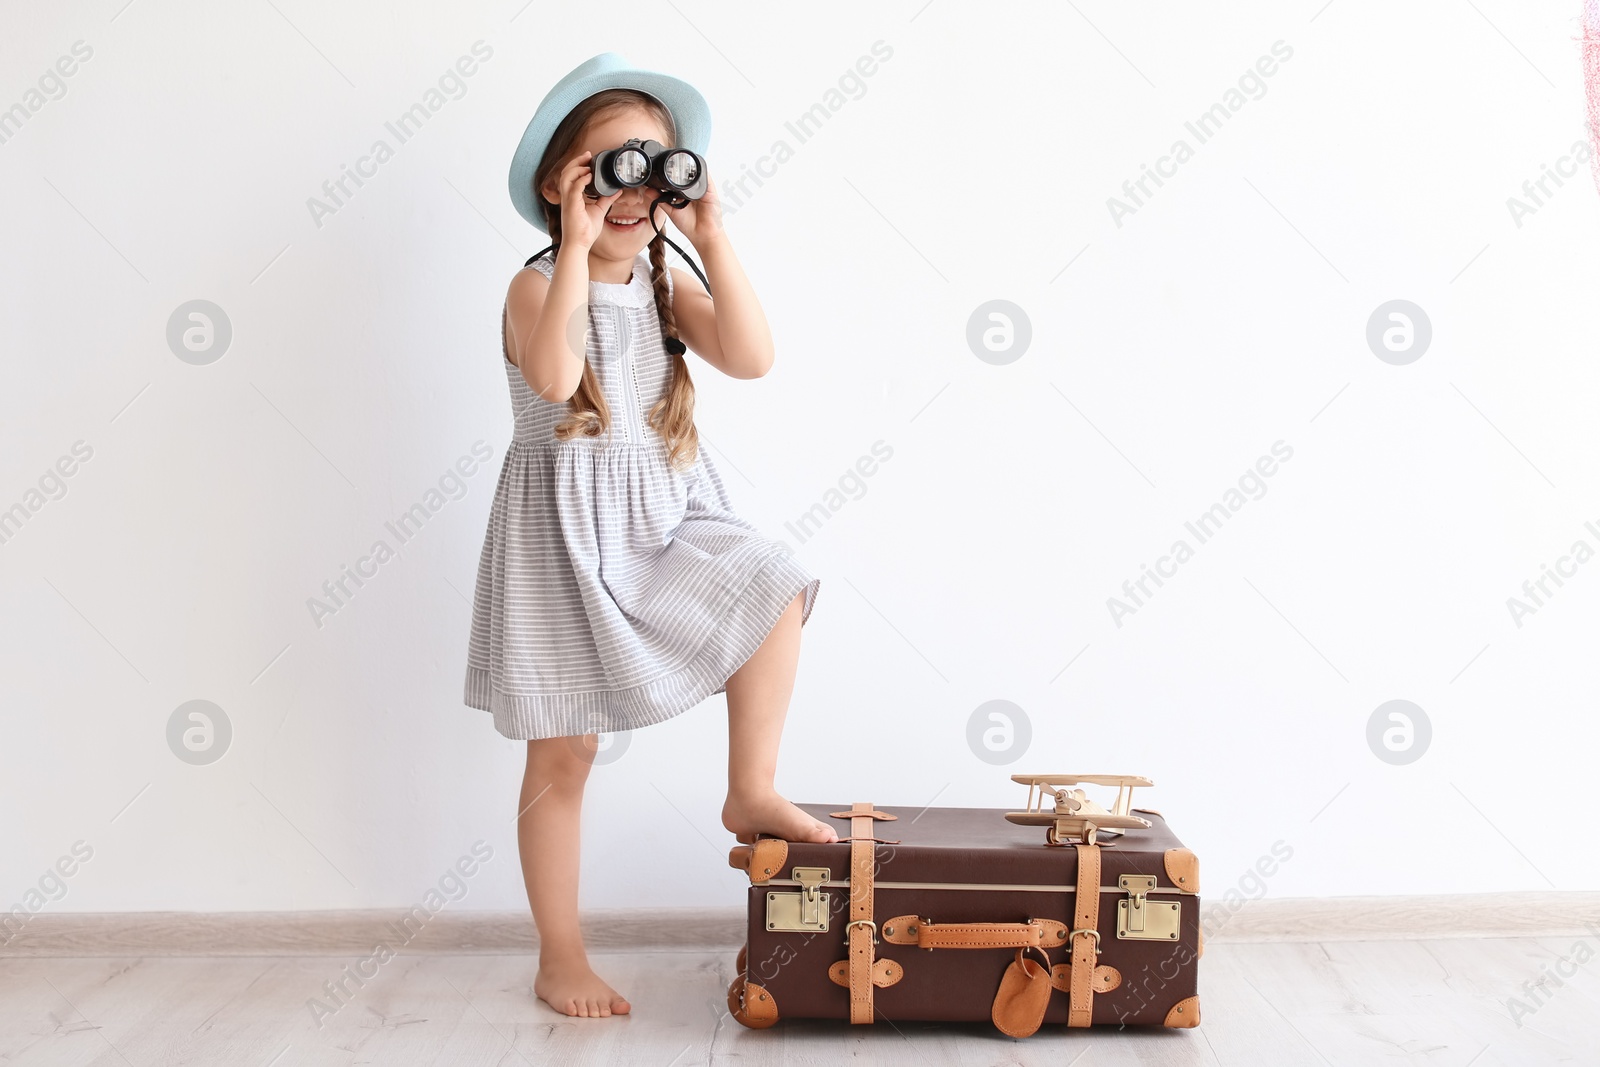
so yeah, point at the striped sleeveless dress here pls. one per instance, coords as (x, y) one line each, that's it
(614, 591)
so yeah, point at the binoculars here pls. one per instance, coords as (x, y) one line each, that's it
(677, 172)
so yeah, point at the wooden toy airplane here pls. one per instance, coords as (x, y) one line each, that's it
(1074, 816)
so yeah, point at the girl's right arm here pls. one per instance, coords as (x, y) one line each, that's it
(547, 316)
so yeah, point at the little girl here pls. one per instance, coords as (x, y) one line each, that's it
(617, 587)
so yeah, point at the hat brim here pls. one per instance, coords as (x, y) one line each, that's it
(690, 114)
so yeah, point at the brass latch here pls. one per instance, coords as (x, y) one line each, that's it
(802, 912)
(1141, 919)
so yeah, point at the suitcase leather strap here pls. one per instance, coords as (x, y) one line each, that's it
(914, 930)
(862, 934)
(1084, 939)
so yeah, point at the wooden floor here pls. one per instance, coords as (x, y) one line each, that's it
(1441, 1002)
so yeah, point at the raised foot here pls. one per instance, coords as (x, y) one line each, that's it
(574, 989)
(769, 813)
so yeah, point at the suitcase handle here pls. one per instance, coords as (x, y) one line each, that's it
(915, 930)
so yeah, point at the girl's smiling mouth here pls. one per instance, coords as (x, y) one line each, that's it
(624, 222)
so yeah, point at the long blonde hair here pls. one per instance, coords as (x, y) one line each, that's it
(673, 415)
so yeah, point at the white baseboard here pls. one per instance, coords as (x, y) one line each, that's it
(1534, 914)
(349, 933)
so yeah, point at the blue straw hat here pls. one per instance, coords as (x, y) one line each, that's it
(608, 70)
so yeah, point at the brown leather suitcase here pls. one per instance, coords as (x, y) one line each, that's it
(1067, 912)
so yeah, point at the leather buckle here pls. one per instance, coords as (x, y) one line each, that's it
(870, 925)
(1096, 934)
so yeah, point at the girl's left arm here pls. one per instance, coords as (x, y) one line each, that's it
(732, 335)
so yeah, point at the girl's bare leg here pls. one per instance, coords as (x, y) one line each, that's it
(547, 839)
(758, 699)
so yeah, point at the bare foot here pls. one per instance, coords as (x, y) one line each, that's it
(769, 813)
(574, 989)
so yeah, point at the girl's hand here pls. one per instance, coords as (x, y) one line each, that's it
(700, 220)
(581, 217)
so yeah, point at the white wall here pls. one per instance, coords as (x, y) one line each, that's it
(1168, 353)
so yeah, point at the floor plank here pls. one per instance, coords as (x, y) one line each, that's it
(1441, 1002)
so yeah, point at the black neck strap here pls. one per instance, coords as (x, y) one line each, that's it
(681, 253)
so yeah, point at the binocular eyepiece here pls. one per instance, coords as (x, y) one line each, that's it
(677, 172)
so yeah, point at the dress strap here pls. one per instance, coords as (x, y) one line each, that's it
(503, 350)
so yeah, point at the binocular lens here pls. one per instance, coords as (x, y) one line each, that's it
(632, 167)
(680, 169)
